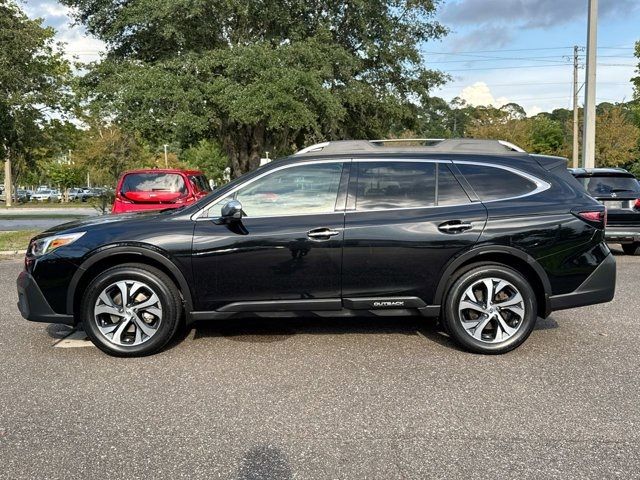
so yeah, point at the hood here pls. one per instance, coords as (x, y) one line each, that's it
(100, 220)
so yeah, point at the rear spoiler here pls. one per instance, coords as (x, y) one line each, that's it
(549, 162)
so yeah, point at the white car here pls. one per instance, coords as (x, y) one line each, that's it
(46, 196)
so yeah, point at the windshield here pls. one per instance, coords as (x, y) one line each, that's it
(153, 182)
(605, 185)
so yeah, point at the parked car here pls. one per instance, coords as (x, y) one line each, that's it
(19, 195)
(478, 233)
(619, 191)
(46, 196)
(157, 189)
(78, 194)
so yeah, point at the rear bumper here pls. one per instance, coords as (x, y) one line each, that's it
(599, 287)
(32, 304)
(626, 234)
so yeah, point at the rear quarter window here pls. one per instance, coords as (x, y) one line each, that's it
(493, 183)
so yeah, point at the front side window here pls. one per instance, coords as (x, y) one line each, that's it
(493, 183)
(298, 190)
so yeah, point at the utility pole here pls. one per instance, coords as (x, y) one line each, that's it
(8, 187)
(589, 133)
(166, 162)
(576, 143)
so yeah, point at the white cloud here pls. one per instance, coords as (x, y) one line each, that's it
(480, 94)
(533, 111)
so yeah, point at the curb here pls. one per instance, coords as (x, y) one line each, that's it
(12, 252)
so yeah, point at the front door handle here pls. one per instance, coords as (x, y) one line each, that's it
(322, 233)
(454, 226)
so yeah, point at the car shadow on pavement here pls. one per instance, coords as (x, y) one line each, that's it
(268, 330)
(264, 462)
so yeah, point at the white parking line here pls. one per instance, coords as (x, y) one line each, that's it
(76, 339)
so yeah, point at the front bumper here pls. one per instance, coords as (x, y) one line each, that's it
(599, 287)
(32, 304)
(617, 234)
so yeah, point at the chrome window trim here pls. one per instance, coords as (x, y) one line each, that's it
(541, 185)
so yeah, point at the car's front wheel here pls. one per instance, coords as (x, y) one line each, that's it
(631, 248)
(131, 310)
(490, 309)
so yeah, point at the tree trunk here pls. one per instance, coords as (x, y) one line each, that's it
(244, 146)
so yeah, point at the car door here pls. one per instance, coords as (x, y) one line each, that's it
(286, 251)
(408, 220)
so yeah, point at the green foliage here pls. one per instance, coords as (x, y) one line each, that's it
(33, 81)
(259, 75)
(107, 150)
(209, 157)
(65, 175)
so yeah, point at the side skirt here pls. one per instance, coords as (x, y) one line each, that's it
(326, 308)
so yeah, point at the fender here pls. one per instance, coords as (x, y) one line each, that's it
(481, 251)
(138, 249)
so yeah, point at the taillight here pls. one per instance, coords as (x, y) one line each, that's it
(636, 205)
(595, 217)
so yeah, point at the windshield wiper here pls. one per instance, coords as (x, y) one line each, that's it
(616, 190)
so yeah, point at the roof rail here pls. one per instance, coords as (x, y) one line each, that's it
(442, 145)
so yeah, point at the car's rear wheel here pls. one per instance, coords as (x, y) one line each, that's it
(631, 248)
(490, 309)
(131, 310)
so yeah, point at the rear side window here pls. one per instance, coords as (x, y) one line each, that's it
(153, 182)
(386, 185)
(492, 183)
(199, 183)
(606, 185)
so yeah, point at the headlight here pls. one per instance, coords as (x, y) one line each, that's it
(48, 244)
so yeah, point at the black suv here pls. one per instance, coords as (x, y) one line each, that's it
(619, 191)
(482, 235)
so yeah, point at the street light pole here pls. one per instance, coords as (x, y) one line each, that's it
(166, 161)
(576, 143)
(589, 133)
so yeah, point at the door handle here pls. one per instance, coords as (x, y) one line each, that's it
(454, 226)
(322, 233)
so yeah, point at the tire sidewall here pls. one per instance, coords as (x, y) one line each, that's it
(468, 278)
(169, 309)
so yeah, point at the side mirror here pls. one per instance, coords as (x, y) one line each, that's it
(231, 211)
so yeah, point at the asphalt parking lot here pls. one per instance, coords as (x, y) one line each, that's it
(340, 399)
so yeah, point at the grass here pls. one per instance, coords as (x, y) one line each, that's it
(18, 240)
(24, 206)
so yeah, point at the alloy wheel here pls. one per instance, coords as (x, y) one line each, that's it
(128, 312)
(491, 310)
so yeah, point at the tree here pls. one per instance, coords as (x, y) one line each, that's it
(260, 75)
(108, 151)
(65, 175)
(34, 79)
(209, 157)
(617, 138)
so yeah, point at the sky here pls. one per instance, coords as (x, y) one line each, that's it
(497, 51)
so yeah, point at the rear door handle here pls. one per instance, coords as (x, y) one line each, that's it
(454, 226)
(322, 233)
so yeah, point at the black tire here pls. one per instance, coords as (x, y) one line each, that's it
(162, 285)
(471, 276)
(631, 248)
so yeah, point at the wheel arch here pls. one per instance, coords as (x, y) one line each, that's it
(110, 256)
(509, 256)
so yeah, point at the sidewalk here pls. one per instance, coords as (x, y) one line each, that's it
(48, 212)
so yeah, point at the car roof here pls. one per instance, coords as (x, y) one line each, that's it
(600, 172)
(163, 170)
